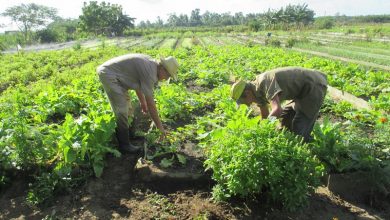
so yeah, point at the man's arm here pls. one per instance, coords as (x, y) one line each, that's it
(276, 107)
(154, 114)
(142, 101)
(264, 111)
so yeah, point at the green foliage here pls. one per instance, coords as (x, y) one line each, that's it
(249, 157)
(255, 25)
(174, 102)
(166, 151)
(291, 42)
(272, 42)
(2, 46)
(104, 19)
(30, 16)
(61, 30)
(324, 22)
(348, 147)
(77, 46)
(328, 146)
(60, 123)
(56, 120)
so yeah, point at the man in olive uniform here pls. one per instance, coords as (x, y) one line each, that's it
(140, 73)
(306, 88)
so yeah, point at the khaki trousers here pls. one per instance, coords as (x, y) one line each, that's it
(120, 103)
(297, 122)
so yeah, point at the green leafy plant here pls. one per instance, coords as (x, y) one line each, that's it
(250, 157)
(167, 151)
(175, 102)
(328, 145)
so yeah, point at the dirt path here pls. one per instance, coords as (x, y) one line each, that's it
(378, 66)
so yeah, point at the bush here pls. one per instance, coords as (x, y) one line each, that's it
(77, 46)
(2, 46)
(324, 23)
(350, 31)
(291, 42)
(249, 157)
(174, 102)
(48, 36)
(255, 25)
(273, 42)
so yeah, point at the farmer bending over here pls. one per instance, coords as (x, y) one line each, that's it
(140, 73)
(305, 88)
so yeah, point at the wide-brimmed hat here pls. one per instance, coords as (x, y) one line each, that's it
(171, 65)
(237, 89)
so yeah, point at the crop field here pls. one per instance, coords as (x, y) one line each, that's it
(57, 146)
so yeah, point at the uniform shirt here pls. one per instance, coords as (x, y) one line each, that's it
(305, 86)
(134, 71)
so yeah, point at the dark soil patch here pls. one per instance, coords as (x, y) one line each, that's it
(193, 87)
(361, 188)
(118, 194)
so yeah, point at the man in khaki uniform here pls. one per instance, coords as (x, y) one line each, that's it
(305, 88)
(136, 72)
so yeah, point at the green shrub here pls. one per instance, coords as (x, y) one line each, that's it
(249, 157)
(2, 46)
(255, 25)
(348, 147)
(324, 23)
(77, 45)
(350, 31)
(272, 42)
(291, 42)
(329, 147)
(174, 102)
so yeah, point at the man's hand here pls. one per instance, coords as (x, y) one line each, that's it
(162, 136)
(142, 102)
(154, 115)
(144, 108)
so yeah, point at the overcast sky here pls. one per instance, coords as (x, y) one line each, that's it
(150, 9)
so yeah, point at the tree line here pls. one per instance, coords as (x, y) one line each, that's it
(41, 23)
(291, 16)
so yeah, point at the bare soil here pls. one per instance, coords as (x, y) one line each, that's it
(121, 194)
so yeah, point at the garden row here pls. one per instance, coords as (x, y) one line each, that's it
(59, 124)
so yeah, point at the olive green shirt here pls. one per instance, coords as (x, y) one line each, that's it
(306, 87)
(134, 71)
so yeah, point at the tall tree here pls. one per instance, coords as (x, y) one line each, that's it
(304, 15)
(173, 20)
(184, 21)
(195, 18)
(30, 16)
(105, 19)
(159, 22)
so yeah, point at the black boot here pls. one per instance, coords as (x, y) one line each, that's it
(124, 143)
(130, 149)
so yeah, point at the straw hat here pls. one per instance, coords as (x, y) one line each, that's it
(171, 65)
(237, 89)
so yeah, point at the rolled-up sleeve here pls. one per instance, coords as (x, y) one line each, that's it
(272, 89)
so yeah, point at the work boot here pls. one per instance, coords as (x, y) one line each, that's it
(125, 146)
(130, 149)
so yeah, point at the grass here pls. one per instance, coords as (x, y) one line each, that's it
(187, 42)
(168, 43)
(151, 43)
(347, 53)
